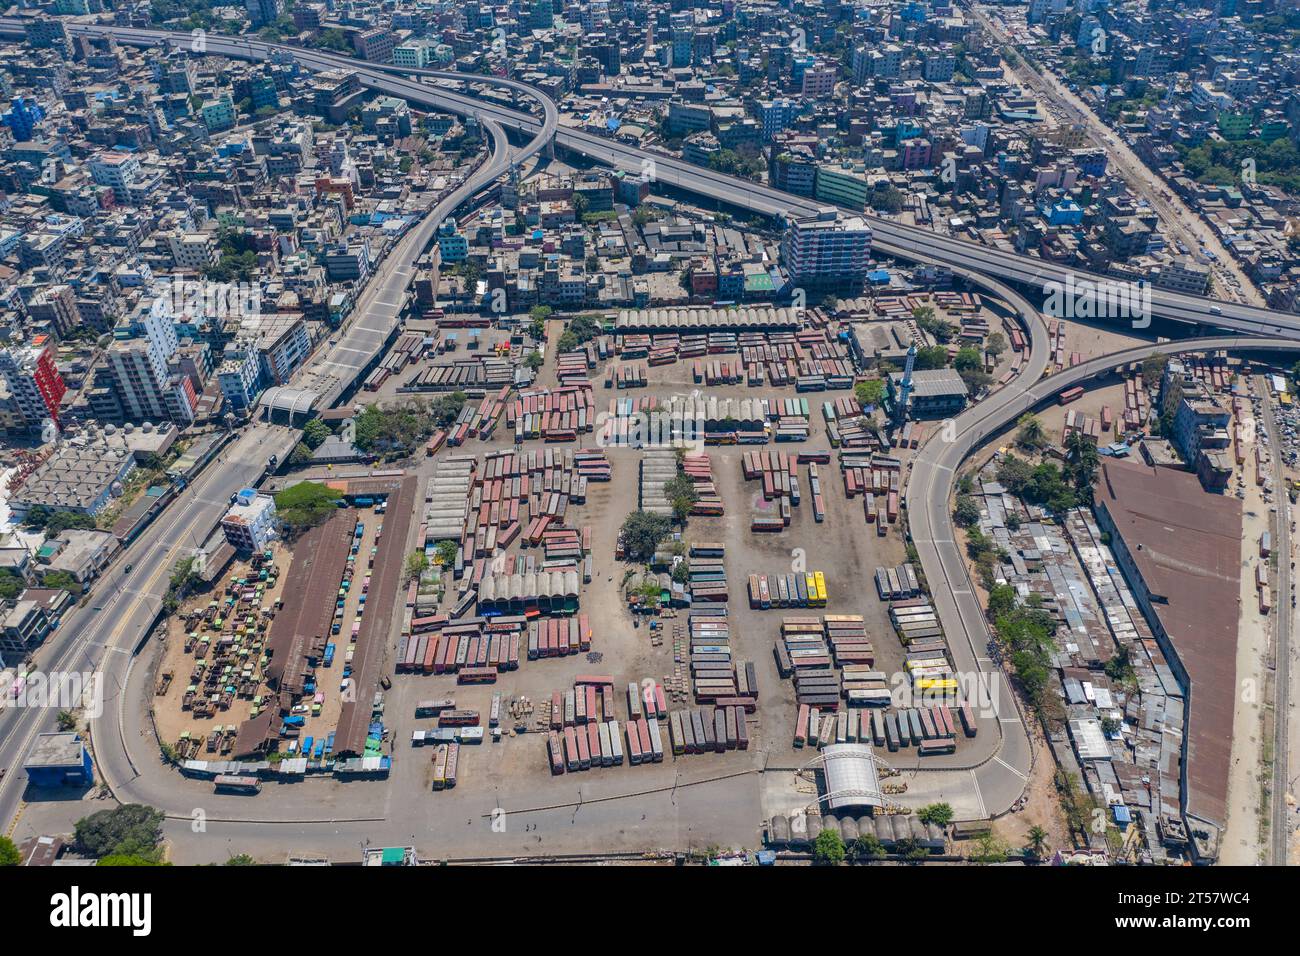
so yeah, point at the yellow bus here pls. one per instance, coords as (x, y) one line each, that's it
(936, 684)
(821, 589)
(810, 580)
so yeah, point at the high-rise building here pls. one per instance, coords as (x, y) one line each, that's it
(34, 381)
(828, 249)
(57, 307)
(138, 361)
(261, 12)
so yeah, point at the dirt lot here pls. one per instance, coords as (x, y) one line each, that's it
(515, 771)
(172, 720)
(169, 717)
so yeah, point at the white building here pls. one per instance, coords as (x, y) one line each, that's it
(117, 171)
(251, 523)
(827, 249)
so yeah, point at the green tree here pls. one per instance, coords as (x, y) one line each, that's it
(1084, 461)
(240, 859)
(132, 829)
(931, 357)
(967, 512)
(11, 585)
(989, 849)
(939, 814)
(306, 505)
(129, 859)
(66, 720)
(828, 848)
(300, 456)
(1026, 632)
(537, 322)
(446, 552)
(1031, 434)
(996, 343)
(314, 433)
(869, 392)
(416, 564)
(61, 580)
(333, 39)
(534, 360)
(404, 425)
(681, 494)
(641, 533)
(968, 358)
(1037, 844)
(865, 848)
(1002, 600)
(941, 331)
(41, 518)
(910, 849)
(9, 855)
(1153, 370)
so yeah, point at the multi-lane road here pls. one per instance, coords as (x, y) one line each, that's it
(83, 639)
(1279, 810)
(1178, 219)
(101, 634)
(380, 306)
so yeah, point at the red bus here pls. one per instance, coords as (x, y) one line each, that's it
(554, 746)
(458, 718)
(1070, 395)
(477, 675)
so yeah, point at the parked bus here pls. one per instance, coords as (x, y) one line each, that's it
(230, 783)
(1070, 395)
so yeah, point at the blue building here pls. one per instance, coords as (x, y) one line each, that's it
(22, 118)
(1065, 213)
(59, 760)
(452, 246)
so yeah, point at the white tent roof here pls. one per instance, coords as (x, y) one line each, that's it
(851, 777)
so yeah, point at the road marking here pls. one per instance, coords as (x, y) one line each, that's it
(979, 797)
(999, 759)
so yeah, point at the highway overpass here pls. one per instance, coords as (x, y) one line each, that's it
(891, 237)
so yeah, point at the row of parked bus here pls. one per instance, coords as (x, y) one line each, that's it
(787, 590)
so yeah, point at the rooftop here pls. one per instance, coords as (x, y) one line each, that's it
(55, 750)
(1186, 544)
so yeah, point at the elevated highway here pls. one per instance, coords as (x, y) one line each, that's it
(891, 237)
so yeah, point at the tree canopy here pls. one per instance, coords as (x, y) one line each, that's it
(314, 433)
(828, 848)
(642, 531)
(306, 504)
(404, 425)
(132, 829)
(869, 392)
(681, 494)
